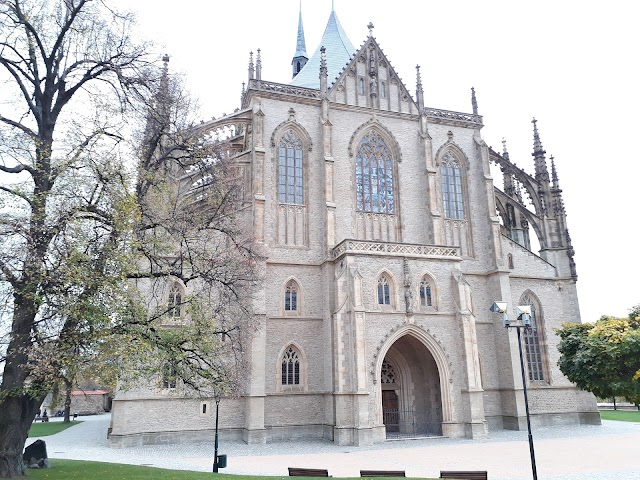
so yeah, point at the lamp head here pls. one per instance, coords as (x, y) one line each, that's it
(524, 314)
(499, 307)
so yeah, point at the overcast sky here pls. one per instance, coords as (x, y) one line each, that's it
(573, 65)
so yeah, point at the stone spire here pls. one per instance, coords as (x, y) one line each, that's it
(242, 94)
(542, 173)
(251, 69)
(554, 175)
(300, 58)
(505, 153)
(258, 66)
(507, 177)
(419, 90)
(323, 69)
(474, 102)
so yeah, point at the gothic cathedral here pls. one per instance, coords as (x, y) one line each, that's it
(386, 243)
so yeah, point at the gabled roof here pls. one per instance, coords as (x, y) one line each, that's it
(339, 51)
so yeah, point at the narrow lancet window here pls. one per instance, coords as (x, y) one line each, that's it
(452, 197)
(374, 175)
(531, 340)
(425, 293)
(291, 297)
(290, 174)
(384, 291)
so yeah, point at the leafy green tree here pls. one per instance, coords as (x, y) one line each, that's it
(603, 357)
(89, 245)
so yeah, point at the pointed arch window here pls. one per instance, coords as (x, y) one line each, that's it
(291, 297)
(174, 305)
(383, 90)
(384, 291)
(426, 292)
(362, 86)
(452, 197)
(374, 175)
(290, 169)
(290, 367)
(532, 342)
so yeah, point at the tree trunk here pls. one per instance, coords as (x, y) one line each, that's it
(67, 401)
(16, 416)
(17, 407)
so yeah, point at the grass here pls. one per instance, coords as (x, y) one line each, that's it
(82, 470)
(44, 429)
(622, 415)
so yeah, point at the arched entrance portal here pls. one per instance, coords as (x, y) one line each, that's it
(411, 396)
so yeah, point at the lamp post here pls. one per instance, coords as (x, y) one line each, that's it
(524, 314)
(215, 446)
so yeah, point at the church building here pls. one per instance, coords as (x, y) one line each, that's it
(386, 243)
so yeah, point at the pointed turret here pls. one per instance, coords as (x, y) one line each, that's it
(258, 66)
(542, 173)
(554, 175)
(339, 50)
(300, 58)
(251, 68)
(474, 102)
(419, 91)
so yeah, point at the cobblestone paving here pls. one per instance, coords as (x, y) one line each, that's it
(607, 452)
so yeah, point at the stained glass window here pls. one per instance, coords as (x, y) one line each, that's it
(374, 175)
(290, 367)
(384, 297)
(451, 187)
(531, 340)
(291, 297)
(425, 293)
(290, 174)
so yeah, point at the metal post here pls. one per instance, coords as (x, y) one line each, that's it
(215, 447)
(526, 406)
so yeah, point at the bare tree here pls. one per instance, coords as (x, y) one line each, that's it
(86, 252)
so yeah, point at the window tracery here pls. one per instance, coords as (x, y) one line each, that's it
(388, 373)
(452, 196)
(426, 294)
(290, 169)
(290, 367)
(384, 291)
(374, 175)
(532, 342)
(174, 305)
(291, 296)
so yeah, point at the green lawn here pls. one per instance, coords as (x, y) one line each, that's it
(81, 470)
(622, 415)
(39, 429)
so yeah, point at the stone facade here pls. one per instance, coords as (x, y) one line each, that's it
(386, 243)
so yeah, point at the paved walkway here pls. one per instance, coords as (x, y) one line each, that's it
(607, 452)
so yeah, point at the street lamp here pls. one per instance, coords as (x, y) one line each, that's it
(523, 313)
(215, 447)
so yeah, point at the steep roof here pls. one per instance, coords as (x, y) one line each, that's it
(339, 51)
(301, 49)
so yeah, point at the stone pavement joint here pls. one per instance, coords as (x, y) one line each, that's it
(607, 452)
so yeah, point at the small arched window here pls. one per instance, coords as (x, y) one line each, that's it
(362, 86)
(290, 173)
(532, 341)
(452, 197)
(426, 292)
(374, 175)
(510, 260)
(383, 90)
(174, 305)
(298, 67)
(384, 291)
(291, 296)
(290, 367)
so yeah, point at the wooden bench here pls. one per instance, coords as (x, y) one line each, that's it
(308, 472)
(382, 473)
(464, 475)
